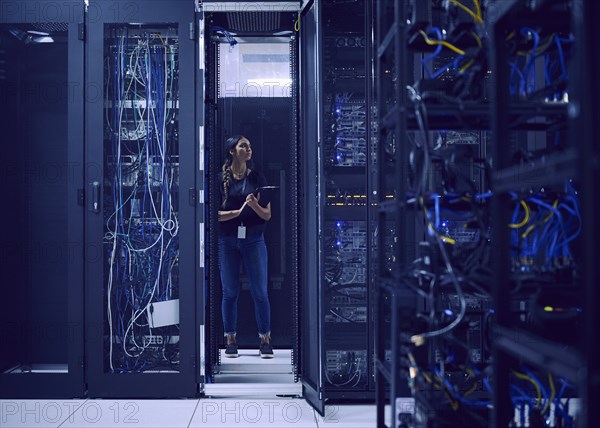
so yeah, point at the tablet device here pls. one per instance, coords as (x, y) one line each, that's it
(267, 194)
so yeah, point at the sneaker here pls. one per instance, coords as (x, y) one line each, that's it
(266, 350)
(231, 351)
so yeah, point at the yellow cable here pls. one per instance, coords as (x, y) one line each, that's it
(444, 238)
(443, 387)
(537, 387)
(525, 220)
(474, 387)
(475, 17)
(540, 49)
(441, 42)
(472, 390)
(471, 62)
(529, 229)
(297, 24)
(552, 393)
(478, 9)
(466, 66)
(554, 205)
(447, 240)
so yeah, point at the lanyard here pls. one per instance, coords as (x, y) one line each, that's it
(241, 227)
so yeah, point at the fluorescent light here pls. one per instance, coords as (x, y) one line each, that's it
(43, 40)
(273, 81)
(38, 33)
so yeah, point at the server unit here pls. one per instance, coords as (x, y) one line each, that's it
(41, 87)
(346, 230)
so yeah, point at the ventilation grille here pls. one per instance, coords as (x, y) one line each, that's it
(51, 27)
(254, 21)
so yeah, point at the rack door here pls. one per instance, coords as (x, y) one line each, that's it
(140, 200)
(41, 87)
(312, 354)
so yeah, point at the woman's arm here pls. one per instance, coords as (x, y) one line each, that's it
(228, 215)
(262, 212)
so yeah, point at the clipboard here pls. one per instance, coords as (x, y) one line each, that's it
(267, 194)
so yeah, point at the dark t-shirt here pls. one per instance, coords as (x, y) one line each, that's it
(238, 190)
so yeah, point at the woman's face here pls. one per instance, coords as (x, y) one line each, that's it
(242, 151)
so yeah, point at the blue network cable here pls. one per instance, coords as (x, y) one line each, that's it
(432, 56)
(530, 66)
(515, 69)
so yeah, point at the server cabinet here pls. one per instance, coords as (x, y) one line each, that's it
(251, 90)
(550, 341)
(312, 328)
(41, 87)
(140, 200)
(346, 231)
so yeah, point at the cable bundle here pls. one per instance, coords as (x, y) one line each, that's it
(542, 231)
(141, 220)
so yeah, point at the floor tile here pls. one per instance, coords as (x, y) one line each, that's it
(350, 416)
(133, 413)
(15, 413)
(263, 413)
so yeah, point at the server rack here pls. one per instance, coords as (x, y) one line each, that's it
(396, 307)
(346, 230)
(585, 15)
(41, 86)
(433, 112)
(552, 341)
(238, 104)
(140, 200)
(536, 314)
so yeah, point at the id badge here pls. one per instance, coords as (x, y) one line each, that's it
(241, 232)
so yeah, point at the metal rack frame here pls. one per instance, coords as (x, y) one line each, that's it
(513, 343)
(391, 58)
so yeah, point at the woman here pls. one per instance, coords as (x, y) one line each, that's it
(241, 240)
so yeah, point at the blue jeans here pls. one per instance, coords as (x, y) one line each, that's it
(251, 251)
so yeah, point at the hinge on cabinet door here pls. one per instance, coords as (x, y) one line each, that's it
(81, 31)
(192, 197)
(192, 31)
(81, 197)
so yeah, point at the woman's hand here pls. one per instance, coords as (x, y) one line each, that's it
(252, 200)
(262, 212)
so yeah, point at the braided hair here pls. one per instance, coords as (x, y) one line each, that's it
(227, 174)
